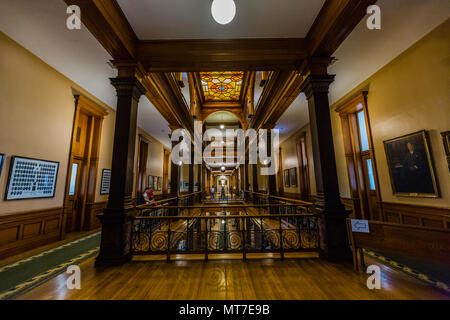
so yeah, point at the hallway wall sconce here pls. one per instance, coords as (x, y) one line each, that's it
(222, 126)
(223, 11)
(180, 163)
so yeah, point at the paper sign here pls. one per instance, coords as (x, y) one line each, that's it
(360, 225)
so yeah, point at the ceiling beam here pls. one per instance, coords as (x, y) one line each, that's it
(107, 22)
(222, 54)
(335, 22)
(333, 25)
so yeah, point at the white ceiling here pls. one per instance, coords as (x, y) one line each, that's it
(365, 51)
(40, 27)
(192, 19)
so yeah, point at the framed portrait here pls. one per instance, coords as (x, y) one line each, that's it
(287, 181)
(446, 140)
(106, 181)
(293, 175)
(2, 160)
(411, 166)
(31, 179)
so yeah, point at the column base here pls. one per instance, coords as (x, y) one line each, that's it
(115, 247)
(334, 244)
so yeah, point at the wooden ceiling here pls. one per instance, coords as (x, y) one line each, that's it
(289, 59)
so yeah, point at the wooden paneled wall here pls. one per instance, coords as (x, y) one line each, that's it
(26, 230)
(416, 215)
(91, 221)
(413, 215)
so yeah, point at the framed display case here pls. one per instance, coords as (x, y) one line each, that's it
(106, 181)
(31, 179)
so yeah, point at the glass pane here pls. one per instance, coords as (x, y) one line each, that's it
(73, 179)
(371, 177)
(363, 131)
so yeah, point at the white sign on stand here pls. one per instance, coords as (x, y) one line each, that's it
(360, 225)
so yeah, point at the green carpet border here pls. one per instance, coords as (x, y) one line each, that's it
(44, 276)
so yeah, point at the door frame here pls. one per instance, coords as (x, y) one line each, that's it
(88, 173)
(361, 194)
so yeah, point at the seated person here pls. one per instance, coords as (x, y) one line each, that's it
(148, 195)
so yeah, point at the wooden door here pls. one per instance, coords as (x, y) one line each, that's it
(83, 167)
(73, 196)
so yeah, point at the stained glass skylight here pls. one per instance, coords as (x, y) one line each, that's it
(222, 86)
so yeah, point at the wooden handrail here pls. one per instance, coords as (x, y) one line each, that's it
(156, 203)
(280, 198)
(226, 217)
(228, 206)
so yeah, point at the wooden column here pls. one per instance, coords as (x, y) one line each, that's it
(271, 179)
(246, 180)
(255, 177)
(199, 177)
(191, 171)
(332, 214)
(116, 221)
(174, 174)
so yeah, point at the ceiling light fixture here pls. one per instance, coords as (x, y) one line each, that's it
(223, 11)
(222, 126)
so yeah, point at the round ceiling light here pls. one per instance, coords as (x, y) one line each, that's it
(223, 11)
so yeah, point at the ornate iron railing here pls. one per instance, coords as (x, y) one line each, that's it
(224, 229)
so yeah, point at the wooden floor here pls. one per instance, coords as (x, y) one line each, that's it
(301, 279)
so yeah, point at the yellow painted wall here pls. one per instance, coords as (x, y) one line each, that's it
(409, 94)
(290, 160)
(155, 158)
(36, 117)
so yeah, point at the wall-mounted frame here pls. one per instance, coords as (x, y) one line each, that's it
(155, 183)
(31, 179)
(106, 181)
(410, 166)
(287, 180)
(446, 141)
(159, 183)
(293, 176)
(150, 182)
(2, 160)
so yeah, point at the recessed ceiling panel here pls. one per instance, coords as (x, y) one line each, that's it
(192, 19)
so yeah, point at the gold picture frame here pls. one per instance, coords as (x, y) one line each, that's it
(446, 141)
(411, 167)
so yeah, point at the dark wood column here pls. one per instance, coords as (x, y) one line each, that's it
(191, 171)
(204, 183)
(199, 177)
(245, 167)
(271, 179)
(174, 174)
(333, 232)
(116, 220)
(255, 177)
